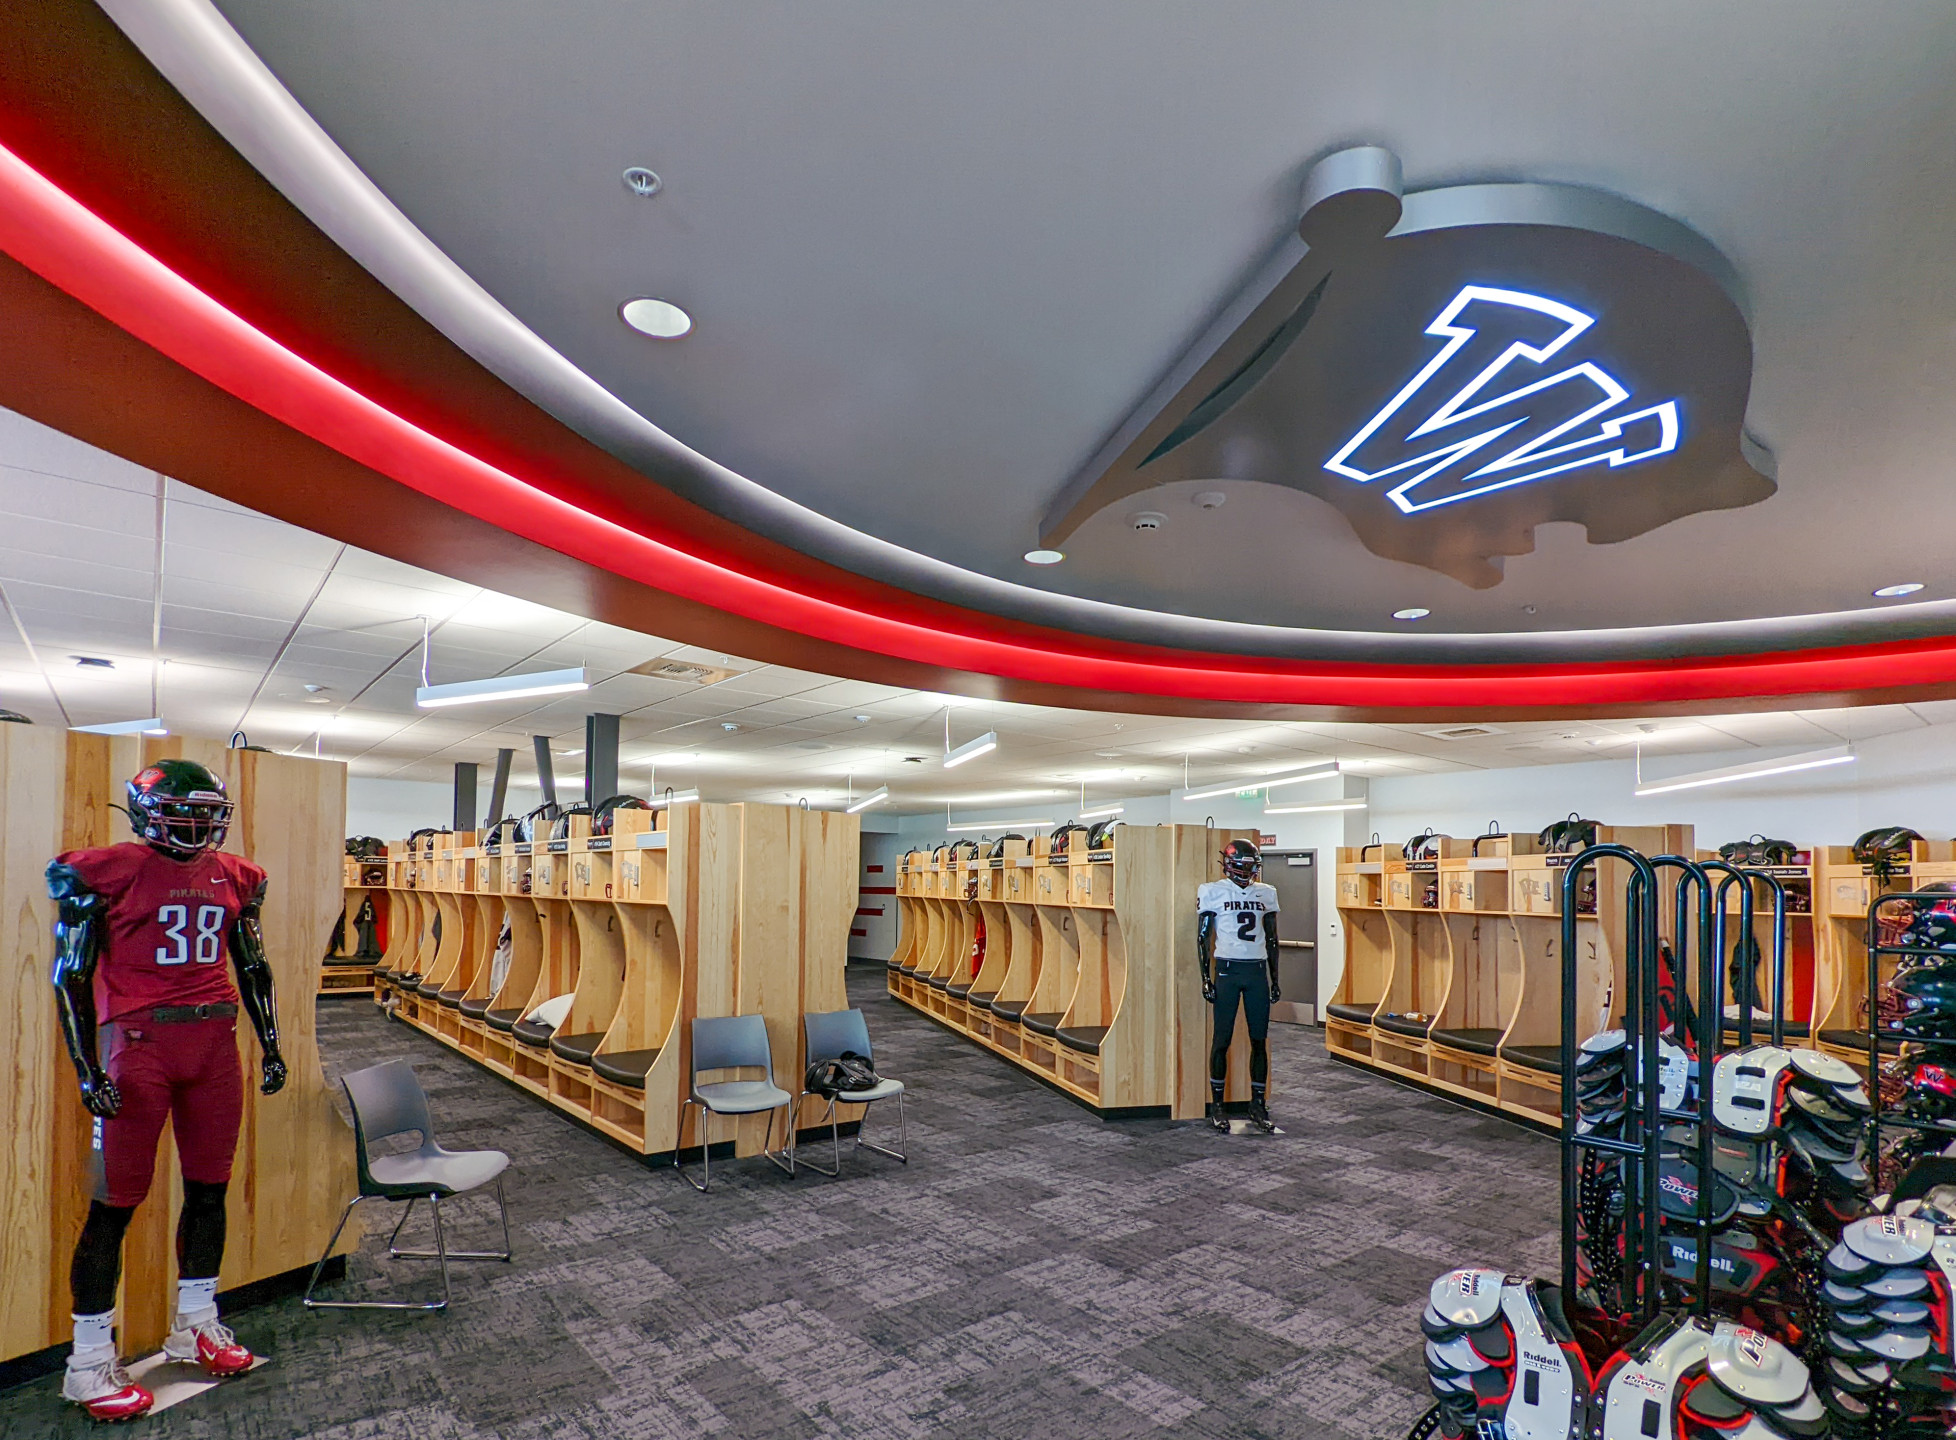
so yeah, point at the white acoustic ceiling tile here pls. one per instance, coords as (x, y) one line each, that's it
(75, 539)
(85, 571)
(95, 507)
(61, 606)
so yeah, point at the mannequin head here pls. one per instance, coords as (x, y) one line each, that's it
(179, 808)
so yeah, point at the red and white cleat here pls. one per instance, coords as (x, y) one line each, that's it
(106, 1392)
(212, 1346)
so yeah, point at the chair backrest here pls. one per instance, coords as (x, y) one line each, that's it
(834, 1031)
(731, 1042)
(386, 1100)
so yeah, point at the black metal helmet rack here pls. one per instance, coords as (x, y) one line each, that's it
(1941, 1173)
(1642, 1144)
(1734, 875)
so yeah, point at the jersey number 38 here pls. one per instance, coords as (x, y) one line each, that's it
(207, 942)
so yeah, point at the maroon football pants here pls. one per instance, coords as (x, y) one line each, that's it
(186, 1073)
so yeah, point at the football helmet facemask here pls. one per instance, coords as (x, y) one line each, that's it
(180, 807)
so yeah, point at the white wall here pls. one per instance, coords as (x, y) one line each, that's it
(1903, 779)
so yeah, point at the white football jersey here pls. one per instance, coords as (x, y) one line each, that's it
(1239, 912)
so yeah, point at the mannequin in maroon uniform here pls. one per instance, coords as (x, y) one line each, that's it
(149, 1013)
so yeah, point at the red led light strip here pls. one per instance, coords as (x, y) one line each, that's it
(68, 246)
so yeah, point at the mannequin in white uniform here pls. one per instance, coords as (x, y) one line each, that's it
(1236, 944)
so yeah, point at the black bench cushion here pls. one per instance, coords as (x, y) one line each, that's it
(1351, 1014)
(1084, 1038)
(626, 1067)
(937, 982)
(475, 1009)
(502, 1019)
(982, 998)
(1400, 1025)
(575, 1048)
(451, 998)
(403, 980)
(534, 1033)
(893, 963)
(1010, 1009)
(1545, 1058)
(347, 962)
(1473, 1041)
(428, 985)
(960, 991)
(1045, 1023)
(1856, 1040)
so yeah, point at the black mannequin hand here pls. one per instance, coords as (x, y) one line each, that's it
(1276, 994)
(1208, 990)
(274, 1073)
(99, 1095)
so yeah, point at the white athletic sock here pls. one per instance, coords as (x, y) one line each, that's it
(196, 1301)
(94, 1340)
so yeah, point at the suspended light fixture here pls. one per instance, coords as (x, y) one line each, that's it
(971, 750)
(151, 726)
(675, 797)
(875, 797)
(1321, 770)
(1314, 809)
(503, 687)
(1754, 770)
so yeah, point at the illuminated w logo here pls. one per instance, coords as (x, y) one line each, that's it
(1509, 424)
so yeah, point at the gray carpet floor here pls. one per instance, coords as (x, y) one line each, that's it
(1033, 1272)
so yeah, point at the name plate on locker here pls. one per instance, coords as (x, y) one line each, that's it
(1422, 867)
(559, 847)
(1779, 872)
(522, 847)
(1098, 856)
(1058, 860)
(597, 844)
(492, 851)
(998, 862)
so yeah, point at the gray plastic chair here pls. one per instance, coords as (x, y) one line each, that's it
(387, 1100)
(732, 1042)
(828, 1036)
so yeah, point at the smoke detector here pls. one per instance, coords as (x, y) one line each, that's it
(687, 672)
(1210, 500)
(728, 726)
(643, 182)
(1146, 520)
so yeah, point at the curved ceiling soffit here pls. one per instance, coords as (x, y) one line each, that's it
(1521, 304)
(51, 235)
(199, 52)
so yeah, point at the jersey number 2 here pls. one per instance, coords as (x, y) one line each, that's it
(208, 941)
(1246, 924)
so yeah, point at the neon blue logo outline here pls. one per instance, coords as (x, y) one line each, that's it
(1466, 404)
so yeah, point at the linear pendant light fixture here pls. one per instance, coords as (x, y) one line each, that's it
(1102, 811)
(1005, 825)
(875, 797)
(503, 687)
(674, 797)
(1324, 770)
(1315, 809)
(971, 750)
(151, 726)
(1754, 770)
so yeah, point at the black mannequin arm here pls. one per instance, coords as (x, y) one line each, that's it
(1270, 952)
(255, 990)
(80, 914)
(1205, 951)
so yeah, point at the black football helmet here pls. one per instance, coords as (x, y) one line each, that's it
(179, 807)
(1242, 861)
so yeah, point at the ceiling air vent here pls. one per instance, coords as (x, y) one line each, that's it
(1464, 732)
(687, 672)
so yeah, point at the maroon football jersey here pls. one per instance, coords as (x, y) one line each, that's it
(169, 925)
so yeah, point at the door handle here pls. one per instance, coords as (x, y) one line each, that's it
(1297, 944)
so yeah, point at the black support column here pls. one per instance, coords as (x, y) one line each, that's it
(465, 814)
(546, 773)
(600, 758)
(499, 787)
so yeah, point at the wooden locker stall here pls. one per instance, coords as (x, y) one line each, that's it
(1087, 974)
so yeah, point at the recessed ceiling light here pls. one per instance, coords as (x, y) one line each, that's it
(1044, 557)
(1412, 613)
(661, 319)
(643, 182)
(728, 726)
(860, 719)
(1210, 500)
(1890, 592)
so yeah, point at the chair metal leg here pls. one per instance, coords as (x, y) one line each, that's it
(503, 1254)
(902, 1153)
(788, 1164)
(834, 1136)
(312, 1304)
(706, 1147)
